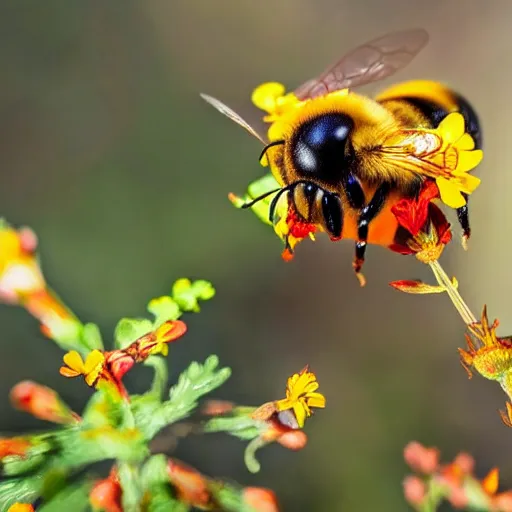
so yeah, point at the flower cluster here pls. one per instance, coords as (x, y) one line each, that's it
(110, 367)
(277, 421)
(454, 482)
(40, 469)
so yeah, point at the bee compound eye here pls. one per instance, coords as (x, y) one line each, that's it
(319, 146)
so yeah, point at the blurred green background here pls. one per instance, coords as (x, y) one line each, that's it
(108, 152)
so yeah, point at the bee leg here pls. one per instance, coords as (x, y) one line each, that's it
(368, 213)
(463, 216)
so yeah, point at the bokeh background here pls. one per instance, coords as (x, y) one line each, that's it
(108, 152)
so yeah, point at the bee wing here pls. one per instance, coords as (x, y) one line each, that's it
(368, 63)
(231, 114)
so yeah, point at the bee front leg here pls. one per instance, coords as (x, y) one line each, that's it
(368, 213)
(463, 216)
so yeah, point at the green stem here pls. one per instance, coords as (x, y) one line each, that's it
(444, 281)
(159, 384)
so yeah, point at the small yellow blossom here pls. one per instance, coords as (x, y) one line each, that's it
(301, 396)
(272, 98)
(91, 368)
(459, 156)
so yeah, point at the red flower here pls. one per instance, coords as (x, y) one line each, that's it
(412, 214)
(191, 486)
(106, 494)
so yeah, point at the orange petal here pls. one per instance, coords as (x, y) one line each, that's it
(68, 372)
(491, 481)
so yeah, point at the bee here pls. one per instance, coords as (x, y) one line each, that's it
(344, 159)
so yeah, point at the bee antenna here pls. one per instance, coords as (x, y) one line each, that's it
(259, 198)
(268, 146)
(273, 204)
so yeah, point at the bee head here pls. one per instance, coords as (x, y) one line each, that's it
(319, 148)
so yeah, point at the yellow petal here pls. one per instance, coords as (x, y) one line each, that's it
(316, 400)
(283, 404)
(450, 193)
(452, 127)
(300, 414)
(90, 378)
(94, 359)
(265, 95)
(277, 131)
(164, 350)
(469, 159)
(312, 386)
(468, 183)
(74, 360)
(466, 142)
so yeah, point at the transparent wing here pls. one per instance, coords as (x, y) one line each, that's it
(231, 114)
(368, 63)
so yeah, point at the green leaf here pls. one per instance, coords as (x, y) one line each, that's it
(243, 427)
(155, 484)
(154, 471)
(145, 410)
(230, 498)
(197, 380)
(74, 497)
(67, 334)
(255, 189)
(164, 308)
(91, 336)
(105, 408)
(55, 480)
(130, 329)
(160, 379)
(203, 290)
(130, 483)
(188, 294)
(36, 455)
(161, 499)
(87, 445)
(23, 490)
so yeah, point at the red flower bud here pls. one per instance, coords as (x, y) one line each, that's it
(261, 500)
(41, 402)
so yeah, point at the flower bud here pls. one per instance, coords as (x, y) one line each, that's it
(41, 402)
(261, 500)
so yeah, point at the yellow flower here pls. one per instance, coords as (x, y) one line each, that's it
(271, 97)
(90, 369)
(458, 156)
(301, 396)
